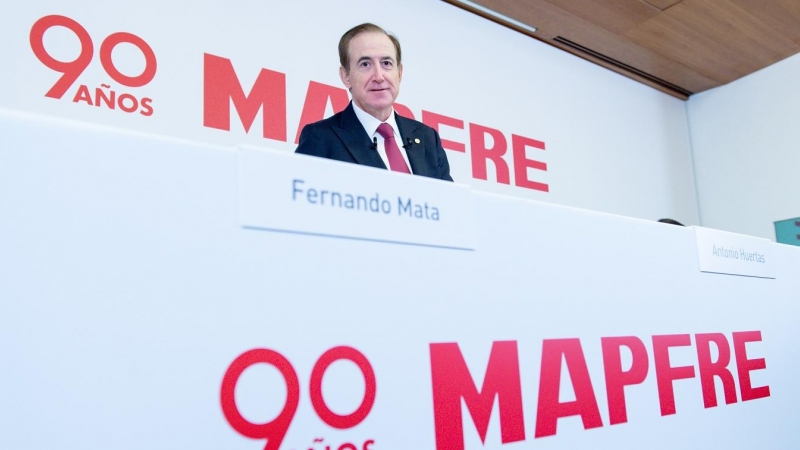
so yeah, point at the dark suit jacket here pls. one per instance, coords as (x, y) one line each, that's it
(343, 138)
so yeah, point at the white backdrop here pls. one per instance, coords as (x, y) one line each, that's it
(128, 288)
(611, 144)
(745, 140)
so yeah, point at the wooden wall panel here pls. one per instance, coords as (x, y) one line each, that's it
(617, 16)
(552, 21)
(782, 16)
(663, 4)
(677, 42)
(693, 44)
(730, 25)
(714, 37)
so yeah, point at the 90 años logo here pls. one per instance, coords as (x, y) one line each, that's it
(104, 95)
(275, 431)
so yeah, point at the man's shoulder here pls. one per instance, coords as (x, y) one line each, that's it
(412, 125)
(322, 137)
(326, 123)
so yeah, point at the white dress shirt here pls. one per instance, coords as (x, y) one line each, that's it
(370, 124)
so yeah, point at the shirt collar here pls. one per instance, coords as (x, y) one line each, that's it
(370, 123)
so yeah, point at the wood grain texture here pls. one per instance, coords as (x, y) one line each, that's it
(782, 16)
(694, 44)
(617, 16)
(714, 37)
(552, 21)
(662, 4)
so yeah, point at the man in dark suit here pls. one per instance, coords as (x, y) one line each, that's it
(368, 131)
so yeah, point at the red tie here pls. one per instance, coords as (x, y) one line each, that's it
(396, 161)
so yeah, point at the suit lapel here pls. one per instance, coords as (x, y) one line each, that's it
(409, 129)
(356, 140)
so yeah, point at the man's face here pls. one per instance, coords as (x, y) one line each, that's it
(374, 78)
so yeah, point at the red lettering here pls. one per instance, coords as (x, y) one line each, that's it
(128, 109)
(73, 69)
(708, 369)
(522, 163)
(433, 120)
(318, 402)
(150, 66)
(745, 366)
(70, 70)
(480, 152)
(109, 101)
(83, 95)
(221, 86)
(274, 431)
(147, 108)
(317, 98)
(616, 378)
(666, 374)
(550, 409)
(452, 382)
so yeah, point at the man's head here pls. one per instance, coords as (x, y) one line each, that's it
(371, 68)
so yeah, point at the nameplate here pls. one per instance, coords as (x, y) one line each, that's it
(303, 194)
(734, 254)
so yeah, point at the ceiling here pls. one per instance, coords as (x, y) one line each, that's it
(680, 47)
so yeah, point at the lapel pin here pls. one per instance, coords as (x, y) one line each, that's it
(416, 141)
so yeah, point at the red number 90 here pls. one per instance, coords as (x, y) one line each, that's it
(275, 431)
(71, 70)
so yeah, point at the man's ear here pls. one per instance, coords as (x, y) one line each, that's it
(400, 72)
(345, 77)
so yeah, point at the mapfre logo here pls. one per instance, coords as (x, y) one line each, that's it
(103, 96)
(488, 147)
(453, 384)
(275, 431)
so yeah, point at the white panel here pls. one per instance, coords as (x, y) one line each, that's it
(745, 139)
(611, 144)
(358, 204)
(128, 289)
(735, 254)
